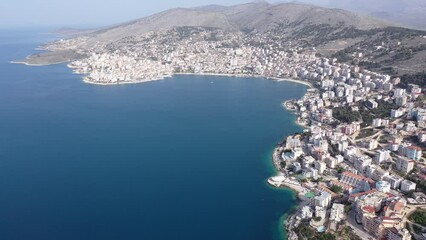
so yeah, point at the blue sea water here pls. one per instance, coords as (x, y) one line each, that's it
(183, 158)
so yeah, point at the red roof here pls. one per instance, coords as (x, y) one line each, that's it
(369, 209)
(363, 193)
(350, 174)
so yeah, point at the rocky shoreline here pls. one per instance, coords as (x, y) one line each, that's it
(299, 190)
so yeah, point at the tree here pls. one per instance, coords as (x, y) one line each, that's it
(348, 208)
(336, 189)
(340, 169)
(419, 217)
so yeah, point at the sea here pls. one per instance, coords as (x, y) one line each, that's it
(186, 157)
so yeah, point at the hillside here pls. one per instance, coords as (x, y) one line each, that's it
(259, 16)
(333, 32)
(408, 13)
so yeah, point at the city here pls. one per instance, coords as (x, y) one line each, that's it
(359, 161)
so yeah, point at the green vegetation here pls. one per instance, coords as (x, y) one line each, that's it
(346, 115)
(418, 78)
(366, 133)
(283, 164)
(336, 189)
(304, 231)
(382, 111)
(419, 217)
(348, 208)
(417, 229)
(421, 184)
(340, 169)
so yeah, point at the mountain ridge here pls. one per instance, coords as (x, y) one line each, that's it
(260, 16)
(331, 32)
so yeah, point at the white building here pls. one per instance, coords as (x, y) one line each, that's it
(320, 166)
(323, 200)
(361, 163)
(394, 181)
(383, 186)
(337, 214)
(404, 165)
(395, 234)
(377, 122)
(382, 156)
(372, 144)
(407, 186)
(306, 212)
(396, 113)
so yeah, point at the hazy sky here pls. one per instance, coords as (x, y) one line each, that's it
(86, 13)
(74, 13)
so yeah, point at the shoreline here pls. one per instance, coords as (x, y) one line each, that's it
(278, 79)
(298, 81)
(298, 190)
(36, 65)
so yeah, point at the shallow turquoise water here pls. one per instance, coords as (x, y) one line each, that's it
(182, 158)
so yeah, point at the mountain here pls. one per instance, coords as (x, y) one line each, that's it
(408, 13)
(260, 16)
(333, 32)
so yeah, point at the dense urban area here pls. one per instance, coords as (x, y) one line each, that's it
(358, 166)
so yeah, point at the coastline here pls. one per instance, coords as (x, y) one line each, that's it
(288, 79)
(36, 65)
(298, 81)
(289, 219)
(298, 190)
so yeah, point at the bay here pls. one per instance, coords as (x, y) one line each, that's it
(182, 158)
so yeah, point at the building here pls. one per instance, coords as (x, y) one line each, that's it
(371, 104)
(323, 200)
(395, 234)
(361, 163)
(373, 225)
(401, 101)
(382, 156)
(359, 182)
(383, 186)
(306, 213)
(337, 214)
(395, 181)
(292, 142)
(320, 166)
(377, 122)
(422, 137)
(413, 152)
(399, 92)
(376, 173)
(296, 167)
(372, 144)
(331, 162)
(342, 145)
(396, 113)
(407, 186)
(404, 165)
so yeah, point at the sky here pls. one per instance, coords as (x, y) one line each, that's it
(88, 13)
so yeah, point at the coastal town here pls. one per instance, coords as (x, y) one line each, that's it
(358, 166)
